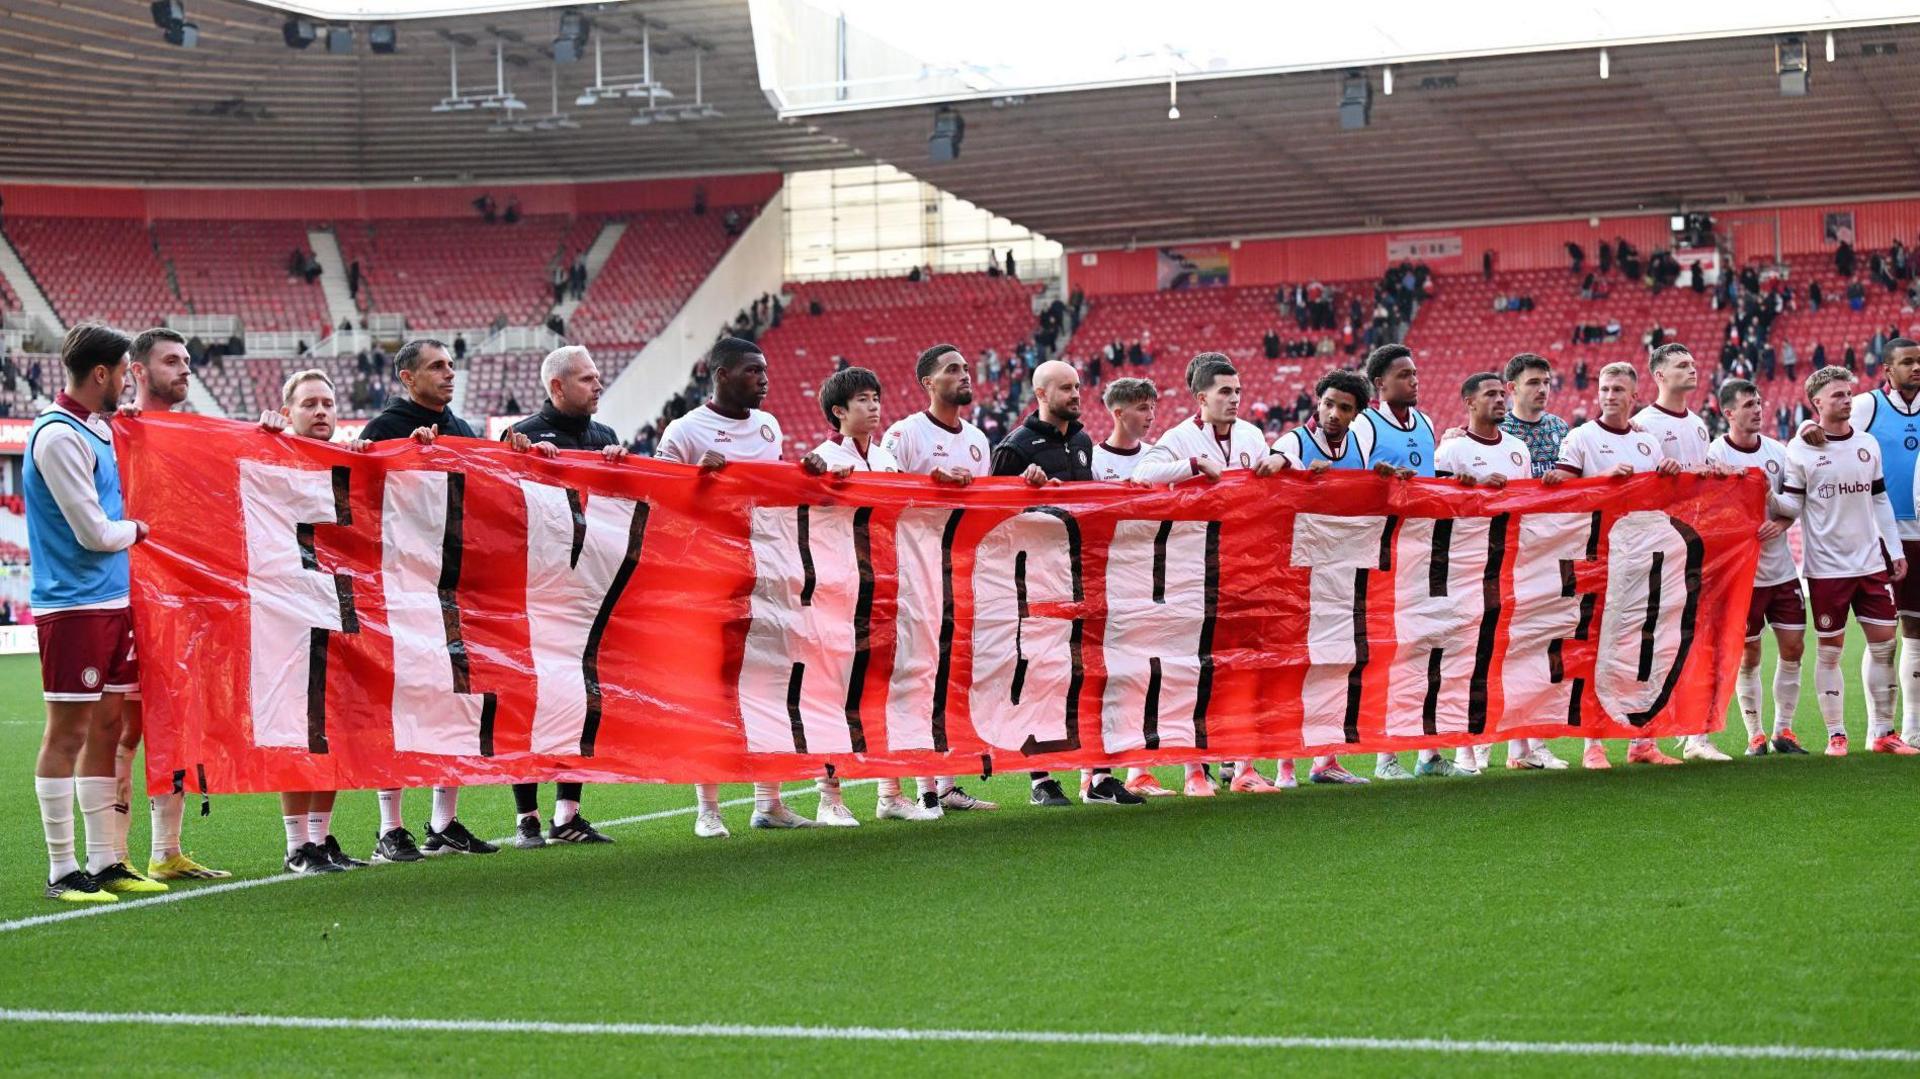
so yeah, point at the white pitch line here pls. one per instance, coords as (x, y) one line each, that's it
(98, 909)
(1137, 1039)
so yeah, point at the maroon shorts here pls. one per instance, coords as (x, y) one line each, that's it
(1906, 591)
(84, 654)
(1870, 597)
(1776, 605)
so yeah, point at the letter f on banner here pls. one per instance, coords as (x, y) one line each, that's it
(579, 560)
(1342, 552)
(1027, 667)
(295, 606)
(421, 524)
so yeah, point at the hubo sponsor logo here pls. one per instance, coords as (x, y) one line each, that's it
(1829, 490)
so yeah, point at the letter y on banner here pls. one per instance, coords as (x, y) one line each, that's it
(579, 560)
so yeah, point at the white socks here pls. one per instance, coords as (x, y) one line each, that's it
(564, 810)
(1876, 672)
(296, 825)
(1910, 690)
(1786, 694)
(1434, 754)
(164, 812)
(707, 797)
(766, 797)
(889, 787)
(320, 825)
(446, 802)
(926, 785)
(95, 794)
(56, 819)
(1746, 687)
(122, 798)
(1829, 690)
(829, 791)
(390, 810)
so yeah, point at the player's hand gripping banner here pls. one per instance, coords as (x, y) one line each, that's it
(312, 618)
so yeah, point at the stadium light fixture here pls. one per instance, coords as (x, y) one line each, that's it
(381, 38)
(171, 17)
(1386, 81)
(644, 86)
(1173, 96)
(1790, 62)
(1606, 68)
(298, 32)
(1829, 46)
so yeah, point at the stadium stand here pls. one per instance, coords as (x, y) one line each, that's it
(883, 324)
(447, 273)
(104, 268)
(239, 268)
(657, 264)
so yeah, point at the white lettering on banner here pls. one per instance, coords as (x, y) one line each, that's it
(1341, 551)
(923, 630)
(579, 560)
(1646, 626)
(1163, 581)
(422, 520)
(804, 669)
(1446, 608)
(293, 605)
(1027, 665)
(1548, 610)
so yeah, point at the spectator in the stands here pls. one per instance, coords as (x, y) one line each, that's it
(1010, 270)
(1606, 257)
(1783, 423)
(1577, 256)
(489, 211)
(577, 278)
(512, 216)
(1819, 356)
(1856, 296)
(353, 278)
(730, 221)
(1270, 344)
(1486, 265)
(1844, 261)
(1696, 280)
(914, 274)
(1499, 303)
(1789, 360)
(815, 308)
(1580, 375)
(1851, 362)
(459, 346)
(559, 281)
(513, 404)
(1814, 296)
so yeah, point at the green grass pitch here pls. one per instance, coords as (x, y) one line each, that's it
(1754, 903)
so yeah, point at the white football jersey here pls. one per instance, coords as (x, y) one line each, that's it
(1114, 465)
(838, 451)
(1770, 457)
(687, 439)
(920, 444)
(1480, 459)
(1171, 459)
(1846, 522)
(1594, 449)
(1681, 436)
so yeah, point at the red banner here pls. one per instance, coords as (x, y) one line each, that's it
(311, 618)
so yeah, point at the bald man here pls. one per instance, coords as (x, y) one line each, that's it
(1052, 447)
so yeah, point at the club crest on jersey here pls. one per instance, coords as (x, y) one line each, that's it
(975, 450)
(1864, 455)
(1081, 457)
(90, 678)
(1515, 457)
(1773, 466)
(1245, 460)
(766, 432)
(1826, 621)
(1414, 458)
(1644, 450)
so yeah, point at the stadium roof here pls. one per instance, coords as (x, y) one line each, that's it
(90, 91)
(1522, 126)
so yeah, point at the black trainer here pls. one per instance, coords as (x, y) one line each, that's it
(526, 834)
(397, 846)
(455, 839)
(1788, 744)
(79, 882)
(311, 859)
(1106, 790)
(577, 830)
(1047, 792)
(331, 848)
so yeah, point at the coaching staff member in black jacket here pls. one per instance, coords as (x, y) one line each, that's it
(1052, 447)
(565, 422)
